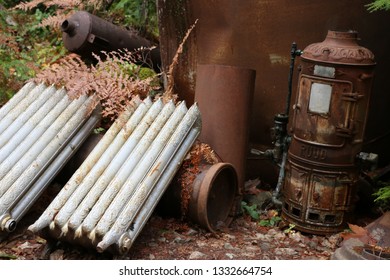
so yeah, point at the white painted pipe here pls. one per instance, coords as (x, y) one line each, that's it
(32, 143)
(23, 133)
(150, 204)
(44, 102)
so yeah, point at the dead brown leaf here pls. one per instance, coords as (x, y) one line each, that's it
(360, 233)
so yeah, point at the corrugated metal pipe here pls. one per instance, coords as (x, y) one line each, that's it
(40, 129)
(110, 197)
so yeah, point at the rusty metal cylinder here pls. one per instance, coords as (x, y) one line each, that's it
(203, 193)
(224, 95)
(84, 34)
(212, 201)
(328, 126)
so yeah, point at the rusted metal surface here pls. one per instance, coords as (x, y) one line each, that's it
(202, 191)
(224, 94)
(84, 33)
(318, 200)
(214, 191)
(328, 126)
(106, 203)
(174, 21)
(41, 128)
(257, 34)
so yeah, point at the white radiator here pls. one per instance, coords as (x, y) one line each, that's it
(40, 129)
(110, 197)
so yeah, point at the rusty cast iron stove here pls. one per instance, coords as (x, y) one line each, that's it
(329, 120)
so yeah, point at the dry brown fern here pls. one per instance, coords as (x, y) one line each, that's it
(200, 154)
(109, 79)
(169, 93)
(9, 42)
(62, 4)
(26, 6)
(56, 20)
(64, 9)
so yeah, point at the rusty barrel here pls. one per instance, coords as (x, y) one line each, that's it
(328, 126)
(224, 95)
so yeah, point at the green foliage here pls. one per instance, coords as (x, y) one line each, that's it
(251, 210)
(139, 14)
(271, 222)
(9, 3)
(378, 5)
(265, 218)
(99, 130)
(382, 195)
(289, 229)
(32, 41)
(25, 48)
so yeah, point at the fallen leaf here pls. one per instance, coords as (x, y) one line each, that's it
(358, 229)
(358, 232)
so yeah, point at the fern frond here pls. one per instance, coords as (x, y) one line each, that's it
(169, 94)
(63, 4)
(9, 42)
(383, 194)
(108, 79)
(55, 21)
(378, 5)
(26, 6)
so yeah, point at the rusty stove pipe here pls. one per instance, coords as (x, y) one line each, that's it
(224, 94)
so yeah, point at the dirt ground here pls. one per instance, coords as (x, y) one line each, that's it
(169, 238)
